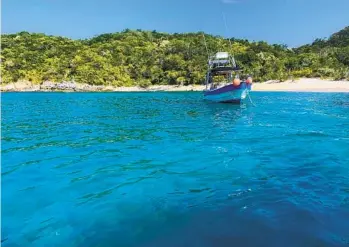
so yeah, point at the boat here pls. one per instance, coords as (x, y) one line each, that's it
(223, 83)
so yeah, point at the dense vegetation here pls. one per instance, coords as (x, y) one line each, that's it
(144, 58)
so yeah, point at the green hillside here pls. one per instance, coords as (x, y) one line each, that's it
(136, 57)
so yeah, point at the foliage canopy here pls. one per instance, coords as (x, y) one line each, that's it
(136, 57)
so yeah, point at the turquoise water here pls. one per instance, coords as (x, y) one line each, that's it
(168, 169)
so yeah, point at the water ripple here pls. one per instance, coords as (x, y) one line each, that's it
(168, 169)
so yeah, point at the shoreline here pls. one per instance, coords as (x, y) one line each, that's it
(301, 85)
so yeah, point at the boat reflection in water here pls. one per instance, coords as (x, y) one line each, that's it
(227, 117)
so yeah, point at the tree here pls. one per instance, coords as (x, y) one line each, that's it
(136, 57)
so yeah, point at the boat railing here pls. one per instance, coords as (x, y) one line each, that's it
(220, 64)
(221, 59)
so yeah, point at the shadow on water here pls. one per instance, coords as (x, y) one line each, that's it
(226, 117)
(224, 108)
(228, 226)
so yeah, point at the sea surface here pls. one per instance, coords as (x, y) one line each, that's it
(169, 169)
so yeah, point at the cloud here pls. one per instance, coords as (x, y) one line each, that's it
(230, 1)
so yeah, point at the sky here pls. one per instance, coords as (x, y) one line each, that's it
(290, 22)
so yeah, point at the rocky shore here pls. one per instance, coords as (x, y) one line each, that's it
(68, 86)
(48, 86)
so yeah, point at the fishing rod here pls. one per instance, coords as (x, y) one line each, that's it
(231, 46)
(207, 51)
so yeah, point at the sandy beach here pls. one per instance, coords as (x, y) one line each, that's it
(304, 85)
(300, 85)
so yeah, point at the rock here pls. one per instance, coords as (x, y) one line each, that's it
(23, 85)
(66, 85)
(7, 87)
(20, 86)
(48, 85)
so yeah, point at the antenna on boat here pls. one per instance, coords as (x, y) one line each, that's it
(208, 54)
(231, 46)
(208, 60)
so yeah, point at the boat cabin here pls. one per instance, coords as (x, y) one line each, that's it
(222, 67)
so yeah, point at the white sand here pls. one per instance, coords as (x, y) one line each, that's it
(304, 85)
